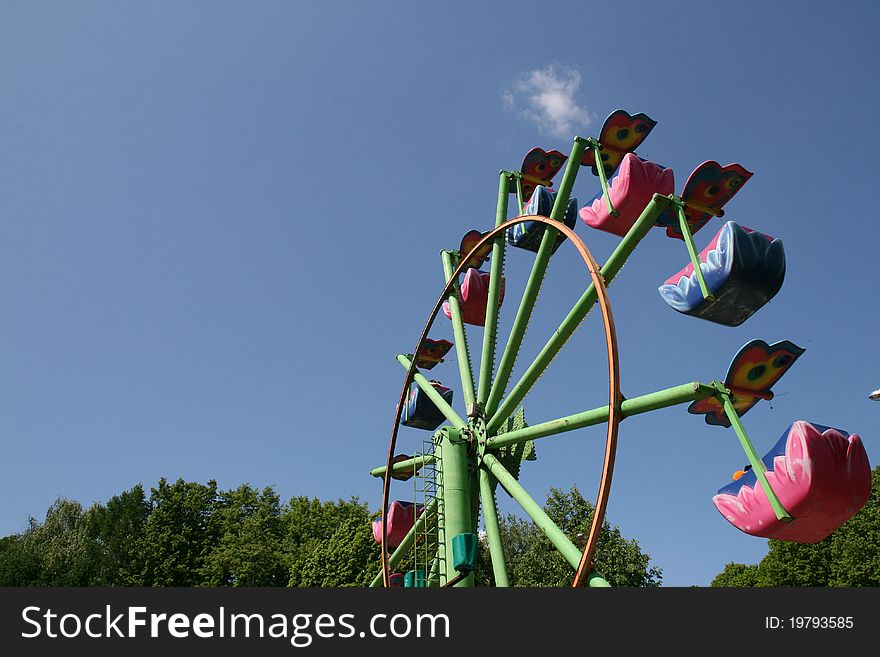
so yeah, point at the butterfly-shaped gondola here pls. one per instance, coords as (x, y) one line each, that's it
(538, 168)
(752, 372)
(431, 352)
(468, 242)
(621, 133)
(710, 186)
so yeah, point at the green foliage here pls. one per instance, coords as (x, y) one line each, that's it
(849, 557)
(117, 529)
(330, 543)
(190, 534)
(250, 534)
(533, 561)
(60, 548)
(179, 533)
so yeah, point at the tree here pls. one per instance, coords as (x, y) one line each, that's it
(330, 543)
(248, 551)
(56, 552)
(849, 557)
(117, 529)
(178, 534)
(533, 561)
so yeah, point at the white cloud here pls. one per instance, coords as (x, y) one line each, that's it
(547, 97)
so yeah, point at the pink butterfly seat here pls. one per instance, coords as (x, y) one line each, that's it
(401, 518)
(474, 297)
(821, 476)
(630, 190)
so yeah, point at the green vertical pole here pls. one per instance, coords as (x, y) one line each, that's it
(575, 316)
(533, 285)
(757, 464)
(487, 361)
(519, 193)
(456, 498)
(692, 250)
(461, 345)
(603, 179)
(493, 529)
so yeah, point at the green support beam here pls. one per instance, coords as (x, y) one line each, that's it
(496, 271)
(413, 464)
(555, 535)
(568, 326)
(433, 395)
(493, 530)
(692, 249)
(757, 464)
(461, 346)
(536, 277)
(651, 402)
(603, 179)
(455, 499)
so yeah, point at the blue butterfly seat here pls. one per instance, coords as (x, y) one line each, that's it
(422, 413)
(743, 270)
(528, 234)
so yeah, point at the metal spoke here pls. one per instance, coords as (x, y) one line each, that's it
(536, 277)
(461, 345)
(577, 313)
(493, 529)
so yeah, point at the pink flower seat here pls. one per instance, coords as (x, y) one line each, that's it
(401, 518)
(474, 297)
(630, 191)
(820, 474)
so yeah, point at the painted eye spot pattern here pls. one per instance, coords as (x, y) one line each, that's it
(756, 372)
(604, 156)
(622, 134)
(734, 182)
(781, 361)
(712, 190)
(555, 164)
(540, 167)
(641, 127)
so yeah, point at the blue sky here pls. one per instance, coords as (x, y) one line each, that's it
(220, 222)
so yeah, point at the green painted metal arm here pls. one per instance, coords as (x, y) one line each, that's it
(493, 530)
(692, 249)
(418, 527)
(487, 362)
(519, 193)
(409, 464)
(603, 179)
(575, 316)
(423, 383)
(651, 402)
(757, 464)
(536, 277)
(555, 535)
(461, 346)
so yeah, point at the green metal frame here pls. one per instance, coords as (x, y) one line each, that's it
(603, 179)
(468, 452)
(692, 249)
